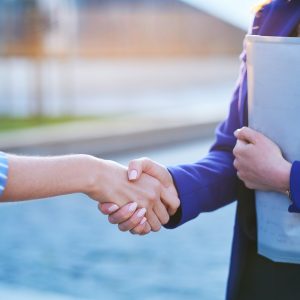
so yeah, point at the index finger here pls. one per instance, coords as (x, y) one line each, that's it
(246, 134)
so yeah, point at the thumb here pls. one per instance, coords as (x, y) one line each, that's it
(171, 201)
(246, 134)
(145, 165)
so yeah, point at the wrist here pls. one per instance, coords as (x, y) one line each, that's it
(99, 179)
(93, 171)
(283, 177)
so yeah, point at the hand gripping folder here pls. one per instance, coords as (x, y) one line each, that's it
(273, 65)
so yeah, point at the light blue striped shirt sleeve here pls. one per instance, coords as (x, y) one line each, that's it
(3, 172)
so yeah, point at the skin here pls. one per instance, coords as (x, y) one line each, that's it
(135, 169)
(103, 181)
(259, 163)
(126, 220)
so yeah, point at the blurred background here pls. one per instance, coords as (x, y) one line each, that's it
(116, 79)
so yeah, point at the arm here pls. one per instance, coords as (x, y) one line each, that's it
(41, 177)
(103, 181)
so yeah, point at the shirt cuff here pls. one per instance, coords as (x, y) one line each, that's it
(295, 188)
(3, 172)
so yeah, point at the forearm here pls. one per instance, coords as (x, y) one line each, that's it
(41, 177)
(204, 186)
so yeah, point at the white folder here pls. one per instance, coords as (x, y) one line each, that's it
(273, 65)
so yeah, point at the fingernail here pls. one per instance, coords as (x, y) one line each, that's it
(132, 207)
(113, 208)
(141, 212)
(143, 221)
(133, 175)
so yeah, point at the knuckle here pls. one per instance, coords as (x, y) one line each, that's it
(235, 151)
(243, 129)
(152, 196)
(166, 220)
(156, 185)
(146, 159)
(235, 164)
(143, 159)
(242, 151)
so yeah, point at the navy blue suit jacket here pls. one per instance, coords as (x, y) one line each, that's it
(212, 182)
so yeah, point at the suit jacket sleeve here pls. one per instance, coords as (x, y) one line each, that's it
(210, 183)
(295, 187)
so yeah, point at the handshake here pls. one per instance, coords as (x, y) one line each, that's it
(139, 199)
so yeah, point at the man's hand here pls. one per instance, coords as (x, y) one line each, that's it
(112, 186)
(259, 162)
(145, 165)
(169, 196)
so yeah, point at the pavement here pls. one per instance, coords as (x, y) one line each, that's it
(157, 102)
(103, 138)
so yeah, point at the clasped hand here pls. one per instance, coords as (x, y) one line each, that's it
(139, 199)
(259, 162)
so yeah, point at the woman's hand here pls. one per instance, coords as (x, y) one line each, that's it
(169, 197)
(126, 217)
(109, 184)
(259, 162)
